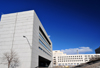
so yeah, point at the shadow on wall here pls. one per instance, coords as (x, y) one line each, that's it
(43, 62)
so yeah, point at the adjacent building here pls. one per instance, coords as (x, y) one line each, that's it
(97, 51)
(24, 33)
(61, 59)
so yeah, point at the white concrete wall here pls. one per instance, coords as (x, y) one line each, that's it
(12, 29)
(24, 26)
(36, 52)
(6, 34)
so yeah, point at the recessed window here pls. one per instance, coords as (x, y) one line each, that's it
(44, 35)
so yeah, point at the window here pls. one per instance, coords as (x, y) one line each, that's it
(44, 45)
(44, 40)
(44, 35)
(44, 51)
(65, 63)
(68, 63)
(74, 63)
(59, 64)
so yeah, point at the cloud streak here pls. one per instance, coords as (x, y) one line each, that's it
(80, 50)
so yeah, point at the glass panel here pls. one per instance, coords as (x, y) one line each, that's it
(44, 40)
(44, 45)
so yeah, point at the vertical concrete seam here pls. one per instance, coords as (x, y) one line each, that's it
(14, 31)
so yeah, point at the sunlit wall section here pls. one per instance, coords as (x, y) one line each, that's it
(7, 25)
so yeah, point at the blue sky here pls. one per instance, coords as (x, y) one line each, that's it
(72, 24)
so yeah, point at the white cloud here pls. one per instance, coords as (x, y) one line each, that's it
(74, 50)
(49, 36)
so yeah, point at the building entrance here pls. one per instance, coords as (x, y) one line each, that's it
(43, 62)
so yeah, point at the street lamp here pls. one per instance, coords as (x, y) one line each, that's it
(28, 42)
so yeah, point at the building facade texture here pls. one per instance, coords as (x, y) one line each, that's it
(24, 33)
(97, 51)
(61, 59)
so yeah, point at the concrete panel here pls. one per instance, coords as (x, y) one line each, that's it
(12, 29)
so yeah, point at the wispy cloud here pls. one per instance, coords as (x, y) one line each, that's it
(49, 36)
(74, 50)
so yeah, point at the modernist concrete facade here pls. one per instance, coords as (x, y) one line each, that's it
(13, 27)
(61, 59)
(97, 51)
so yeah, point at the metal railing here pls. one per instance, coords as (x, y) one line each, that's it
(53, 67)
(57, 67)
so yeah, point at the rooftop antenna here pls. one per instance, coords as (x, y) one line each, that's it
(77, 52)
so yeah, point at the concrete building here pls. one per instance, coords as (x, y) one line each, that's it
(61, 59)
(24, 33)
(97, 51)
